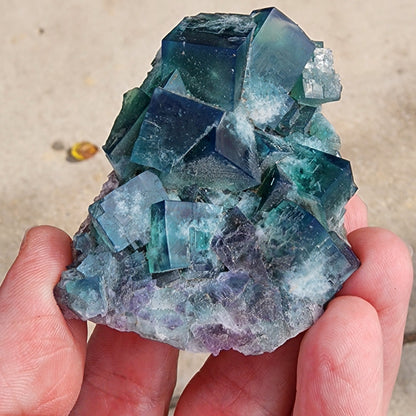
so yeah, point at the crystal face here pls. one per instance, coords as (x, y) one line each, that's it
(221, 226)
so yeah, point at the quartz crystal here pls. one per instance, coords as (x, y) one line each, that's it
(221, 226)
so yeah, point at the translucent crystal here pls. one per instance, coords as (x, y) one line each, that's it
(280, 49)
(122, 218)
(319, 82)
(125, 131)
(181, 234)
(277, 57)
(216, 42)
(172, 125)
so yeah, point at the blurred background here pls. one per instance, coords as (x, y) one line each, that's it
(65, 65)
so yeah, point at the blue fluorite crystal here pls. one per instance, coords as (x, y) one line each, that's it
(210, 52)
(222, 224)
(132, 202)
(169, 130)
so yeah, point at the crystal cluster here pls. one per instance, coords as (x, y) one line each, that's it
(222, 224)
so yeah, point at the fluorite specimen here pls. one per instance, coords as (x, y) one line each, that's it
(222, 224)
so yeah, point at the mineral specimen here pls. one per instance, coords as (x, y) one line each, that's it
(222, 224)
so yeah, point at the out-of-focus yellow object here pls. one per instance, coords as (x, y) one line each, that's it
(83, 150)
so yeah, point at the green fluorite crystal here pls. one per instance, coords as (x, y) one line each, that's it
(181, 235)
(222, 224)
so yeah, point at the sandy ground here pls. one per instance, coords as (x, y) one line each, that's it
(64, 69)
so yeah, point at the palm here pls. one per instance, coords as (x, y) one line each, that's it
(345, 364)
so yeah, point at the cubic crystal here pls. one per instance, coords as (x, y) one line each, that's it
(319, 83)
(169, 129)
(122, 218)
(210, 51)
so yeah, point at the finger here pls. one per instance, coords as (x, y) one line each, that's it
(234, 385)
(126, 374)
(41, 357)
(355, 215)
(385, 281)
(340, 368)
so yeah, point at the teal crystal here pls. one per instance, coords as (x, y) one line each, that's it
(221, 226)
(125, 130)
(279, 50)
(181, 234)
(210, 52)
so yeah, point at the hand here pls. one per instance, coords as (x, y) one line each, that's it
(345, 364)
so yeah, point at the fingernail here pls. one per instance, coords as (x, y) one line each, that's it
(24, 239)
(411, 251)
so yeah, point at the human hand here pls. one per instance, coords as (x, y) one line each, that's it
(345, 364)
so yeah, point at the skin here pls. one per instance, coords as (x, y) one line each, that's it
(345, 364)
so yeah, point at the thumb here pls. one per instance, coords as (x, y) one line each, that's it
(41, 355)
